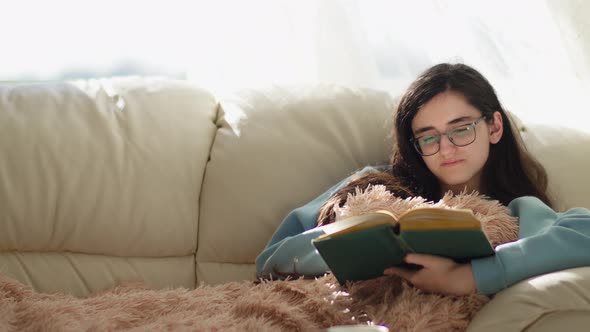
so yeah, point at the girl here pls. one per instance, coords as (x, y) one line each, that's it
(452, 134)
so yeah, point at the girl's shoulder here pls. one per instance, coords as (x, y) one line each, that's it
(528, 205)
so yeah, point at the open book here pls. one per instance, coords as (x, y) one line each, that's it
(361, 247)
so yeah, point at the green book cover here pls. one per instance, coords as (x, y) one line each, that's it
(362, 247)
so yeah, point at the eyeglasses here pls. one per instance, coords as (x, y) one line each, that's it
(459, 136)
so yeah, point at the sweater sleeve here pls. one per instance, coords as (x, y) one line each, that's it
(290, 250)
(548, 241)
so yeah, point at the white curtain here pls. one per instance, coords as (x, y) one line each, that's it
(536, 53)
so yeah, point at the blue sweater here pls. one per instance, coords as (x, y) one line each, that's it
(548, 241)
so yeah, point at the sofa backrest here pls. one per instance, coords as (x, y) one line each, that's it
(115, 180)
(277, 149)
(100, 182)
(565, 154)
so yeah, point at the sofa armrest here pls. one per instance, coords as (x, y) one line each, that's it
(543, 303)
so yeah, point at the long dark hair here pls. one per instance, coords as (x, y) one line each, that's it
(510, 171)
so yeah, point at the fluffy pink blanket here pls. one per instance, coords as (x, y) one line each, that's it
(296, 305)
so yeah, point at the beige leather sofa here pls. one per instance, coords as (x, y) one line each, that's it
(157, 180)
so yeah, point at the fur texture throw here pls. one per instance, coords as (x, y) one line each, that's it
(295, 305)
(394, 302)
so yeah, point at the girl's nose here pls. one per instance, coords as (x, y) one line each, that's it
(447, 148)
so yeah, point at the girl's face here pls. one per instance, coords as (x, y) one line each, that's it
(456, 167)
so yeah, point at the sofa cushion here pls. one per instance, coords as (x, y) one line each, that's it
(276, 149)
(565, 154)
(83, 274)
(104, 167)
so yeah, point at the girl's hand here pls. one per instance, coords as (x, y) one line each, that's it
(438, 275)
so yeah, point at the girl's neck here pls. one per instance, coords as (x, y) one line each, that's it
(472, 185)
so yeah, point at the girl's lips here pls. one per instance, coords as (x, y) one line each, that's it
(451, 162)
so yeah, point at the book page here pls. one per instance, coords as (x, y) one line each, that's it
(356, 223)
(438, 218)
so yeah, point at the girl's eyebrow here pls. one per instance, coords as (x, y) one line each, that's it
(454, 121)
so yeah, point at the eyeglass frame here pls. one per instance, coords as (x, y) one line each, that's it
(473, 124)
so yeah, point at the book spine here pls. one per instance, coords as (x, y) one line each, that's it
(403, 244)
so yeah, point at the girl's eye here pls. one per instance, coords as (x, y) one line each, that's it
(428, 140)
(461, 130)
